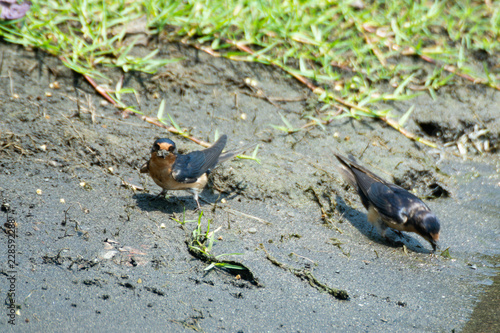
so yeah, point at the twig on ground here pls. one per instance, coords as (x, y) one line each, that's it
(308, 276)
(233, 211)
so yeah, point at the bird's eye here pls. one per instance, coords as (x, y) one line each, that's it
(155, 147)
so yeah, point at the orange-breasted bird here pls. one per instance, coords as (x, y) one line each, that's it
(173, 171)
(389, 205)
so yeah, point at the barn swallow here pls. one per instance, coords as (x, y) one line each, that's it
(388, 205)
(173, 171)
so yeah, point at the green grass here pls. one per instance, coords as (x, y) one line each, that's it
(344, 54)
(202, 242)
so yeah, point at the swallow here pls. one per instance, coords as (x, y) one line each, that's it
(388, 205)
(173, 171)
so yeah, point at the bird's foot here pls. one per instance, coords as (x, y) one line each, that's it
(198, 206)
(161, 195)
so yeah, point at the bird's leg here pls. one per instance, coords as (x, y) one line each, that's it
(161, 195)
(381, 228)
(375, 219)
(197, 204)
(194, 191)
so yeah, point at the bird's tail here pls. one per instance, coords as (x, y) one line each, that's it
(345, 170)
(234, 152)
(350, 168)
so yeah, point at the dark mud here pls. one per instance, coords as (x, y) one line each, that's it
(92, 254)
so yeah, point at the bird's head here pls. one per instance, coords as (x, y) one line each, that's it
(428, 227)
(163, 148)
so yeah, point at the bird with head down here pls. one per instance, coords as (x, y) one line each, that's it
(388, 205)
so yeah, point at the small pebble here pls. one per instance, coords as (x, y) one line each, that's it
(162, 226)
(108, 254)
(108, 246)
(54, 164)
(54, 85)
(252, 230)
(251, 82)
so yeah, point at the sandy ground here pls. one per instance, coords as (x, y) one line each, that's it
(92, 254)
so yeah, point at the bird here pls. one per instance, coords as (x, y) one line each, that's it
(389, 205)
(173, 171)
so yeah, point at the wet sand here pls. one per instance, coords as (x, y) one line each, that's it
(92, 254)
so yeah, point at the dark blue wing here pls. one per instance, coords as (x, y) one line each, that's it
(363, 182)
(392, 201)
(188, 168)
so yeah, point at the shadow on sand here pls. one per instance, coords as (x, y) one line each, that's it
(179, 201)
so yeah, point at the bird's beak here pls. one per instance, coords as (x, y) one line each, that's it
(162, 153)
(435, 245)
